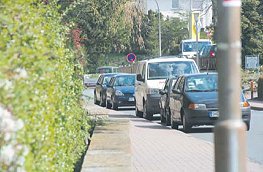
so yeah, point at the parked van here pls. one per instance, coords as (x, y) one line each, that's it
(188, 46)
(151, 75)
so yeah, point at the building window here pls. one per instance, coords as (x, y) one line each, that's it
(175, 3)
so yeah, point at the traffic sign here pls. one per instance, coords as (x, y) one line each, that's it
(131, 57)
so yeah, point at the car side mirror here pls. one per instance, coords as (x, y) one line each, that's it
(175, 91)
(139, 77)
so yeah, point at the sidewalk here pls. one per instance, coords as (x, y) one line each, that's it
(127, 143)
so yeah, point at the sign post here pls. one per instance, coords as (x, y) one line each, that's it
(230, 130)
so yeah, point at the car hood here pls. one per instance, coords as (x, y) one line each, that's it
(208, 98)
(126, 89)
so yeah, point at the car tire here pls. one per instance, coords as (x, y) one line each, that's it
(146, 114)
(186, 124)
(167, 114)
(138, 113)
(248, 126)
(108, 105)
(96, 102)
(114, 106)
(162, 116)
(102, 102)
(174, 125)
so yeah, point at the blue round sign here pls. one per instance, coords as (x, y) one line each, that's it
(131, 57)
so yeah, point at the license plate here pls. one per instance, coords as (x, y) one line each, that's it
(213, 114)
(131, 99)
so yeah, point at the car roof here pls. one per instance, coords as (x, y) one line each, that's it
(200, 74)
(125, 74)
(168, 59)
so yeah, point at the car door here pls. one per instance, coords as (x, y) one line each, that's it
(110, 89)
(172, 98)
(175, 99)
(98, 87)
(164, 96)
(140, 87)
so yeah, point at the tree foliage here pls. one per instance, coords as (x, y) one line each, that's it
(252, 31)
(39, 85)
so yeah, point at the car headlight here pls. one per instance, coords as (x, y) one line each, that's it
(118, 93)
(153, 91)
(197, 106)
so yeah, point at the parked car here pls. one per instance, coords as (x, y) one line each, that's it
(207, 57)
(194, 101)
(101, 87)
(164, 100)
(88, 81)
(151, 75)
(120, 91)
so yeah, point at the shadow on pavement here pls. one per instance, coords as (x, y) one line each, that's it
(199, 130)
(153, 127)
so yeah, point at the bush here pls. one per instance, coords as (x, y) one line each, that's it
(39, 87)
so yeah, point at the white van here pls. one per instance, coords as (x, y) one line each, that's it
(151, 75)
(188, 47)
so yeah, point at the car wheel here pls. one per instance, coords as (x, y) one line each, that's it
(138, 113)
(186, 124)
(146, 114)
(167, 115)
(102, 102)
(114, 106)
(162, 116)
(248, 126)
(108, 105)
(95, 99)
(174, 125)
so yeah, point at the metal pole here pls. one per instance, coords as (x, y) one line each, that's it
(160, 34)
(196, 33)
(230, 134)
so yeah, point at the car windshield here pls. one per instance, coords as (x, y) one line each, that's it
(191, 46)
(202, 83)
(162, 70)
(125, 81)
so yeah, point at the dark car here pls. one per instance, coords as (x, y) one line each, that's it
(207, 57)
(194, 101)
(120, 91)
(101, 87)
(165, 99)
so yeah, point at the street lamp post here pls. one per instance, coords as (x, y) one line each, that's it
(160, 34)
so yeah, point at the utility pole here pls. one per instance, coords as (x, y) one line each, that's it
(230, 131)
(160, 33)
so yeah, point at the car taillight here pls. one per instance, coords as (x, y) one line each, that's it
(212, 54)
(245, 104)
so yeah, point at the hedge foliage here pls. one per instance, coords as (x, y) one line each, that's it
(39, 85)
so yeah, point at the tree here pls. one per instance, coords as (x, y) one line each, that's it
(252, 31)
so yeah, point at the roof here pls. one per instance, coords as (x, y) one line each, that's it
(168, 59)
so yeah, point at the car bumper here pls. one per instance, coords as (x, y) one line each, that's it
(152, 103)
(201, 117)
(124, 101)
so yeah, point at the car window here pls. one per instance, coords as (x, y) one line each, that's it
(201, 83)
(166, 84)
(175, 86)
(106, 80)
(111, 81)
(181, 85)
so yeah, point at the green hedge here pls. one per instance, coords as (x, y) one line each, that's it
(39, 85)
